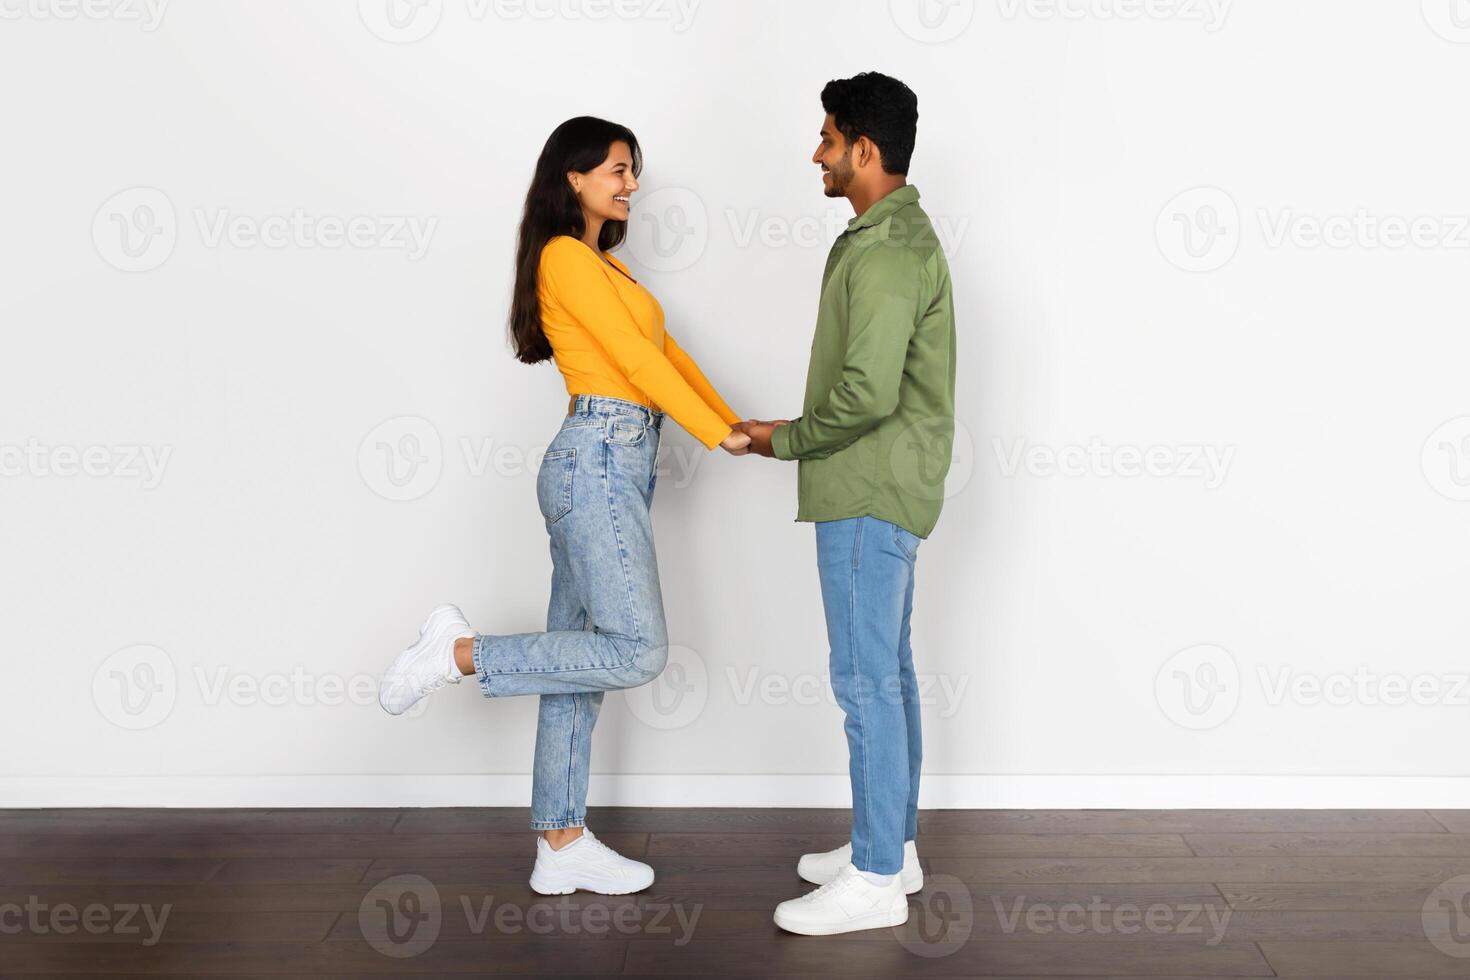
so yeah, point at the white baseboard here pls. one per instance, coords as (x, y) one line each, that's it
(1103, 791)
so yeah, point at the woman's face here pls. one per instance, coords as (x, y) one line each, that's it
(605, 190)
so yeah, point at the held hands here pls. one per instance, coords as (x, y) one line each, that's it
(752, 436)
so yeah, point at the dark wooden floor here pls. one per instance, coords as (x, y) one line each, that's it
(1010, 893)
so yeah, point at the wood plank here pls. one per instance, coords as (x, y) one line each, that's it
(838, 954)
(1354, 959)
(792, 846)
(321, 959)
(1349, 897)
(132, 820)
(179, 923)
(1175, 821)
(1430, 871)
(120, 869)
(1454, 821)
(325, 845)
(639, 820)
(292, 870)
(1331, 845)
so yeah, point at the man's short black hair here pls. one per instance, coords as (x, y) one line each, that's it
(881, 108)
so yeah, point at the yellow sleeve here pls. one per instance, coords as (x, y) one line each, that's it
(573, 276)
(691, 373)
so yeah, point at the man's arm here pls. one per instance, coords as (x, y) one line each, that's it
(886, 291)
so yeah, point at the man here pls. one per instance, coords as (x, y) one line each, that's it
(874, 440)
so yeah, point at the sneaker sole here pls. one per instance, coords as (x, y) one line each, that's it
(552, 885)
(440, 623)
(873, 920)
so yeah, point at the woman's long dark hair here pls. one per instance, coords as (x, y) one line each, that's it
(552, 209)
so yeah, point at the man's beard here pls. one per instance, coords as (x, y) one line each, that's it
(841, 176)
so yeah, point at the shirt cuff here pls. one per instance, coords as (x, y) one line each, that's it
(781, 441)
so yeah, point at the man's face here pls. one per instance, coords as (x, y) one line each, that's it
(834, 156)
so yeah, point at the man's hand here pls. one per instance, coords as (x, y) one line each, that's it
(760, 434)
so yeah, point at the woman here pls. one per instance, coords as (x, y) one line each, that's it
(605, 626)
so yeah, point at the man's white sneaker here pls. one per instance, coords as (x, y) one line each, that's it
(847, 903)
(822, 868)
(589, 864)
(427, 665)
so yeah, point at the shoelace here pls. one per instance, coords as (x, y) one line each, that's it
(602, 849)
(836, 884)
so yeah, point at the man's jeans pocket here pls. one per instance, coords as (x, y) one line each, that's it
(907, 542)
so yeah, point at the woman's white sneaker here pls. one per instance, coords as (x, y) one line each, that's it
(847, 903)
(589, 864)
(427, 665)
(822, 868)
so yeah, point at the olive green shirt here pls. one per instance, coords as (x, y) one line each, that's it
(877, 424)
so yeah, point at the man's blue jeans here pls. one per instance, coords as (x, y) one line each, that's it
(867, 572)
(605, 627)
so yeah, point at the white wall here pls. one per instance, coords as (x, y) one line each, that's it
(1091, 639)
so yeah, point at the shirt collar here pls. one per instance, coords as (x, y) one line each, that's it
(883, 207)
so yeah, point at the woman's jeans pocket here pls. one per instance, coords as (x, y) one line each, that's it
(623, 430)
(554, 484)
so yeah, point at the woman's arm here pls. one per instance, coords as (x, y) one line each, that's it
(574, 278)
(695, 378)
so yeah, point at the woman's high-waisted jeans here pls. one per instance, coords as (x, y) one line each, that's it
(605, 627)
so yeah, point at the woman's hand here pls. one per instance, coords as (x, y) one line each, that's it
(737, 443)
